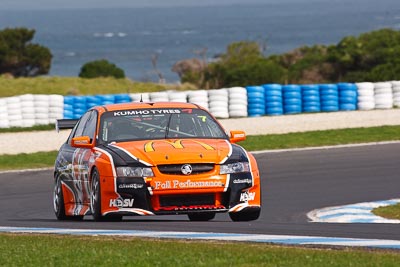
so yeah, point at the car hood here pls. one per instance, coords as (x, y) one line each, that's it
(174, 151)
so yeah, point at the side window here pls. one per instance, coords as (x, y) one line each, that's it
(90, 128)
(79, 127)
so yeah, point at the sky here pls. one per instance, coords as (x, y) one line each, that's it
(61, 4)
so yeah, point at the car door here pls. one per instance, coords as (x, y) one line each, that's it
(75, 166)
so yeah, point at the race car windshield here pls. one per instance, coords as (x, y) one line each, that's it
(141, 124)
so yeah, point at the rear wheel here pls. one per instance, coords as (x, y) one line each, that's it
(201, 216)
(95, 200)
(245, 216)
(59, 205)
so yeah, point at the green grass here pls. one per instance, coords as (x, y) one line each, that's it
(252, 143)
(47, 250)
(27, 161)
(76, 85)
(389, 212)
(322, 138)
(27, 129)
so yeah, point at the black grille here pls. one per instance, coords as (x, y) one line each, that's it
(187, 200)
(176, 168)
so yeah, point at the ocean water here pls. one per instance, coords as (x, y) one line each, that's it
(130, 37)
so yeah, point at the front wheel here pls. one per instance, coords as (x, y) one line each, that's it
(201, 216)
(95, 201)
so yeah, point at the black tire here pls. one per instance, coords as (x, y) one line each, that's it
(95, 196)
(59, 205)
(95, 201)
(201, 216)
(245, 216)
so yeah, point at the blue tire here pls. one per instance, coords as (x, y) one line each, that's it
(79, 99)
(329, 103)
(69, 100)
(273, 98)
(310, 93)
(329, 98)
(68, 114)
(255, 95)
(256, 106)
(311, 109)
(254, 112)
(292, 101)
(328, 86)
(312, 103)
(347, 93)
(255, 89)
(272, 86)
(291, 88)
(274, 111)
(255, 101)
(291, 95)
(347, 86)
(78, 105)
(330, 108)
(347, 100)
(290, 109)
(348, 107)
(269, 93)
(273, 105)
(311, 98)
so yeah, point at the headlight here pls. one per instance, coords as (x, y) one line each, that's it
(234, 168)
(134, 172)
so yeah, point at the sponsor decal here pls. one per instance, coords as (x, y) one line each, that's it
(130, 186)
(247, 196)
(146, 112)
(242, 181)
(176, 184)
(186, 169)
(121, 203)
(177, 144)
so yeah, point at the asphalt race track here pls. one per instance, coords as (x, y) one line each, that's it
(294, 183)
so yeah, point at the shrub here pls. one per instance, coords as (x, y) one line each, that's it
(101, 68)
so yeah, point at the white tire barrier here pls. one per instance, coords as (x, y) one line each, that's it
(383, 95)
(199, 97)
(237, 102)
(174, 96)
(137, 97)
(159, 97)
(396, 93)
(218, 103)
(366, 96)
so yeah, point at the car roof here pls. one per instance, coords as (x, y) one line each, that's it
(148, 105)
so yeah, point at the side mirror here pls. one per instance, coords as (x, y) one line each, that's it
(82, 142)
(237, 136)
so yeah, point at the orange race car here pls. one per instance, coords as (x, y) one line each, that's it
(153, 159)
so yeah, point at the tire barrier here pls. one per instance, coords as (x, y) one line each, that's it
(218, 102)
(273, 99)
(396, 93)
(159, 97)
(383, 95)
(365, 96)
(137, 97)
(329, 96)
(237, 102)
(310, 98)
(269, 99)
(347, 96)
(175, 96)
(255, 101)
(29, 110)
(291, 98)
(198, 97)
